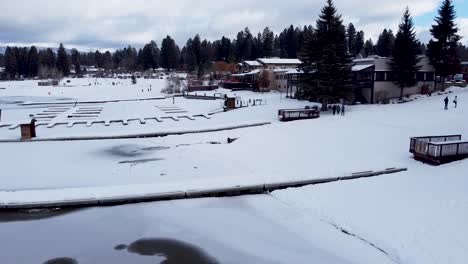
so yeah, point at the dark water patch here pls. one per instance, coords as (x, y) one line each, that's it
(174, 251)
(120, 247)
(32, 215)
(61, 261)
(133, 150)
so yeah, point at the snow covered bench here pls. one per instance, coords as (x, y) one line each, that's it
(439, 149)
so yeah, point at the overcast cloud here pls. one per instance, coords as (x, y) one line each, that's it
(89, 24)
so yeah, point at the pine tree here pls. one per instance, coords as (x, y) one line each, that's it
(369, 48)
(351, 36)
(385, 43)
(76, 61)
(405, 59)
(150, 56)
(442, 50)
(63, 64)
(359, 42)
(107, 60)
(22, 61)
(33, 62)
(11, 64)
(268, 39)
(169, 54)
(327, 53)
(291, 42)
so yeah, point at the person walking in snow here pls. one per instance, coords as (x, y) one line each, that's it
(343, 110)
(334, 109)
(446, 101)
(338, 110)
(455, 101)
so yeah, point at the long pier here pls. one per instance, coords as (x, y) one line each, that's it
(189, 194)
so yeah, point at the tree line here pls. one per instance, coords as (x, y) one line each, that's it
(197, 55)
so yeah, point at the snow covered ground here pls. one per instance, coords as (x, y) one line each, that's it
(412, 217)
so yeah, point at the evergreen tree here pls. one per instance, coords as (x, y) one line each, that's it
(369, 48)
(150, 56)
(291, 43)
(98, 58)
(351, 36)
(327, 54)
(268, 39)
(360, 42)
(11, 66)
(248, 45)
(385, 43)
(76, 61)
(33, 62)
(442, 50)
(405, 59)
(107, 60)
(22, 61)
(169, 57)
(63, 64)
(190, 59)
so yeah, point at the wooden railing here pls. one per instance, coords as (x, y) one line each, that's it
(439, 149)
(298, 114)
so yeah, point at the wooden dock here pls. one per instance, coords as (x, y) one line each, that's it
(437, 150)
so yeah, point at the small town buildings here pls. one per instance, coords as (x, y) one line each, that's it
(283, 73)
(374, 80)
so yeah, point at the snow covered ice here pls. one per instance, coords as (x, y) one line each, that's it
(416, 216)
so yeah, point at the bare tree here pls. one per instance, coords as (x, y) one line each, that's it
(264, 80)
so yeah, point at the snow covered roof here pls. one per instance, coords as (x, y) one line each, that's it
(2, 69)
(253, 63)
(279, 61)
(294, 71)
(252, 72)
(382, 64)
(238, 75)
(360, 67)
(465, 63)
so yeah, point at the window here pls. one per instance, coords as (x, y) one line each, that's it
(420, 76)
(430, 76)
(379, 76)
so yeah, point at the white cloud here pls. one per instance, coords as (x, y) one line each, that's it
(114, 23)
(463, 26)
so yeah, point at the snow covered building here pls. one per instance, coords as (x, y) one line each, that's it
(277, 63)
(374, 80)
(248, 66)
(268, 64)
(283, 73)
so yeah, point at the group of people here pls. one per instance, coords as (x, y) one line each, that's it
(338, 109)
(446, 102)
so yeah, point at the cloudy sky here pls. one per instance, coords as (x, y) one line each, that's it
(110, 24)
